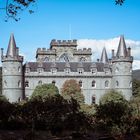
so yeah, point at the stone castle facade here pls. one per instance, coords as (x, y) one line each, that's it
(64, 61)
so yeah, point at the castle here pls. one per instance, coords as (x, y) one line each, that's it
(64, 61)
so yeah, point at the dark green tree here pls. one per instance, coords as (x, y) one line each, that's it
(114, 113)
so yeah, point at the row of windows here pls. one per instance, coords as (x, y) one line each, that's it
(12, 69)
(67, 70)
(93, 83)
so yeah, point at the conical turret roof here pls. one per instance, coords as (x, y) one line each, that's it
(11, 51)
(104, 57)
(122, 51)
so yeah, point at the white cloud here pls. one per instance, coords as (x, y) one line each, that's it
(97, 46)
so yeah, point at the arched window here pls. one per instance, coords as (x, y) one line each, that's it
(19, 69)
(82, 59)
(117, 84)
(53, 82)
(93, 83)
(19, 83)
(130, 84)
(26, 83)
(93, 99)
(40, 82)
(80, 83)
(106, 83)
(46, 59)
(5, 83)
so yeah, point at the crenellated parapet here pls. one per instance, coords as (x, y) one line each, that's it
(63, 43)
(44, 51)
(84, 51)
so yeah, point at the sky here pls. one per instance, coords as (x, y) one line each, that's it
(94, 23)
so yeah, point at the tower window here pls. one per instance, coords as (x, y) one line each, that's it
(130, 84)
(19, 69)
(19, 83)
(117, 84)
(80, 83)
(26, 83)
(5, 83)
(107, 84)
(93, 83)
(93, 100)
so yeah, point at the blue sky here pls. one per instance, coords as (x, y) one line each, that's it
(88, 19)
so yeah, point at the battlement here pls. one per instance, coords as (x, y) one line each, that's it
(83, 51)
(63, 43)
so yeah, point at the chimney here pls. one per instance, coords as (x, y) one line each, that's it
(113, 54)
(129, 51)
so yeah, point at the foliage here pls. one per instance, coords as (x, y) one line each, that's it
(3, 98)
(112, 96)
(45, 90)
(115, 113)
(136, 87)
(14, 7)
(71, 89)
(119, 2)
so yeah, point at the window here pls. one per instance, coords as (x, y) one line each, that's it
(117, 84)
(64, 58)
(67, 70)
(80, 71)
(106, 83)
(19, 69)
(5, 83)
(53, 70)
(82, 59)
(26, 83)
(117, 69)
(19, 83)
(46, 59)
(53, 82)
(27, 70)
(80, 83)
(93, 71)
(93, 100)
(130, 84)
(93, 83)
(40, 82)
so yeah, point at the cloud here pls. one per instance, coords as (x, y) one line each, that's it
(97, 46)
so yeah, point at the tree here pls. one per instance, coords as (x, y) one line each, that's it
(71, 89)
(135, 87)
(45, 90)
(115, 113)
(14, 7)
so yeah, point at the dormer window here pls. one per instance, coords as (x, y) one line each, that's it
(93, 71)
(27, 70)
(67, 70)
(53, 71)
(80, 71)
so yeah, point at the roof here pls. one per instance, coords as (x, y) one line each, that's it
(104, 58)
(122, 51)
(11, 51)
(47, 66)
